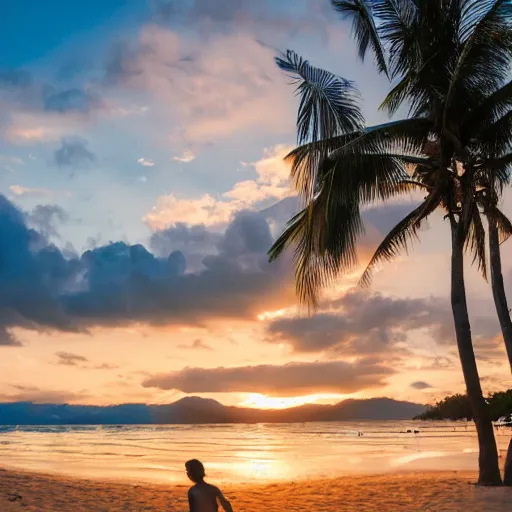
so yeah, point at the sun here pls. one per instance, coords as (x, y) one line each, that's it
(259, 401)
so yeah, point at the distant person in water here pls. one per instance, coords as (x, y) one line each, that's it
(203, 497)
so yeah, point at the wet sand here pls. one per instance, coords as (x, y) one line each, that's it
(403, 492)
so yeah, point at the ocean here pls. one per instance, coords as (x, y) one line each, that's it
(242, 453)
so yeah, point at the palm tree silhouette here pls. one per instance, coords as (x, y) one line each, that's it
(449, 61)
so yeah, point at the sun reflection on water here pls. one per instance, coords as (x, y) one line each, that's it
(417, 456)
(255, 469)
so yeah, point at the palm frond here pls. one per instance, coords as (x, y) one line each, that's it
(329, 104)
(326, 231)
(324, 235)
(482, 115)
(472, 12)
(504, 225)
(364, 178)
(496, 139)
(399, 238)
(485, 59)
(397, 28)
(306, 160)
(475, 241)
(494, 174)
(426, 58)
(405, 136)
(498, 163)
(399, 93)
(411, 185)
(420, 85)
(363, 28)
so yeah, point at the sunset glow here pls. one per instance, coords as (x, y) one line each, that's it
(256, 255)
(267, 402)
(269, 315)
(144, 181)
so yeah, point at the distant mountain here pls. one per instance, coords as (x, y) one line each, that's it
(195, 410)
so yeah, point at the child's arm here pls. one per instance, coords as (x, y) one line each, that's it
(226, 505)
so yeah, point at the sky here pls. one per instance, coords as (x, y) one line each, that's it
(143, 181)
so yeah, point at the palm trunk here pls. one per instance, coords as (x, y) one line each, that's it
(500, 301)
(489, 471)
(498, 289)
(508, 466)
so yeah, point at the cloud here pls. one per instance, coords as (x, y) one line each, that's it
(361, 323)
(228, 86)
(45, 219)
(25, 134)
(32, 275)
(196, 276)
(194, 242)
(37, 395)
(72, 100)
(7, 338)
(171, 210)
(27, 126)
(128, 284)
(68, 359)
(105, 366)
(74, 67)
(285, 17)
(13, 79)
(198, 344)
(21, 191)
(146, 162)
(13, 160)
(118, 284)
(196, 239)
(270, 185)
(288, 380)
(31, 93)
(187, 157)
(420, 385)
(269, 192)
(35, 111)
(74, 153)
(272, 182)
(168, 10)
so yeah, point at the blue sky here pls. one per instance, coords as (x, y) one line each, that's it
(33, 30)
(68, 61)
(152, 134)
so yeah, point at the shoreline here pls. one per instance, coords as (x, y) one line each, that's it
(449, 491)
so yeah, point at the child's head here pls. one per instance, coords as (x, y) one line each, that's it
(195, 470)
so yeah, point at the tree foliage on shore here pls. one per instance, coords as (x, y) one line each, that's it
(458, 407)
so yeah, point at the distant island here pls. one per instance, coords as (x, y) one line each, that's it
(457, 407)
(195, 410)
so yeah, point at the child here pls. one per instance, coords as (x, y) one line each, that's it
(203, 497)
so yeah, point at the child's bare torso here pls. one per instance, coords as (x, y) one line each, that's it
(204, 497)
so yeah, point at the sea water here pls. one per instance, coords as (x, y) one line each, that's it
(243, 453)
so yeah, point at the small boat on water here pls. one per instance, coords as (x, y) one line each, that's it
(504, 421)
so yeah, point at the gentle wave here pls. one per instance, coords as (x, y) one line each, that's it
(241, 453)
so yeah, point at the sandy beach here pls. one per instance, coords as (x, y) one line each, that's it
(404, 492)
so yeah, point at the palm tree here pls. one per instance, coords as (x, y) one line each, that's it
(500, 229)
(497, 223)
(447, 57)
(488, 132)
(488, 136)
